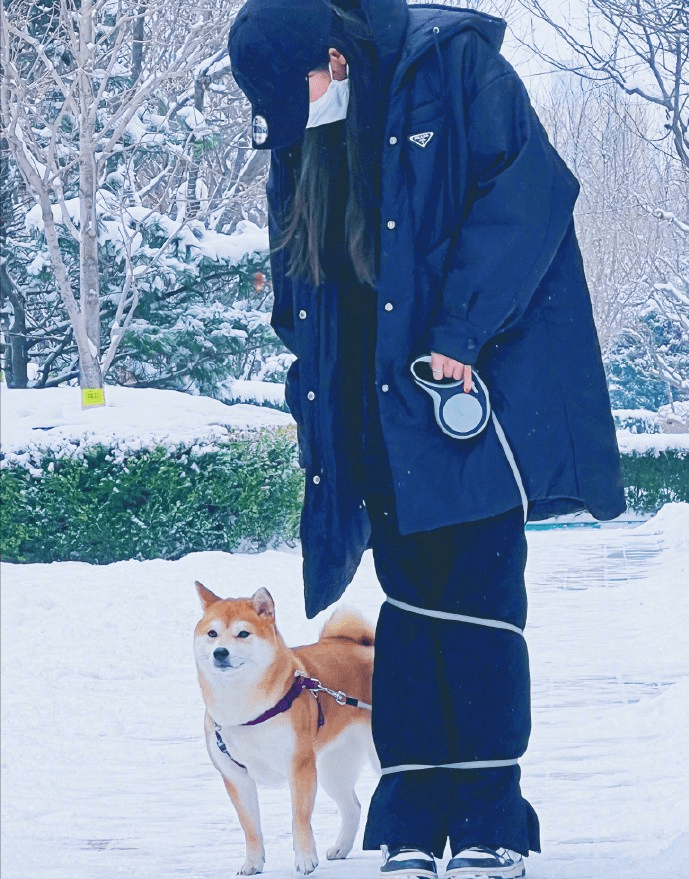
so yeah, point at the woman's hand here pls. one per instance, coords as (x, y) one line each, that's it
(446, 367)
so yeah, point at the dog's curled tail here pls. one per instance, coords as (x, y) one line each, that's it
(348, 625)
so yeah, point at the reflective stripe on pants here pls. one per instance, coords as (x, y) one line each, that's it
(451, 683)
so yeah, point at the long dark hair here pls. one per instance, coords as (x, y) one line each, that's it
(307, 219)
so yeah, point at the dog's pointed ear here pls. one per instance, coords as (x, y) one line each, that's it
(206, 596)
(263, 603)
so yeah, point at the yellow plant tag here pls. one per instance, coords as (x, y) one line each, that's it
(92, 397)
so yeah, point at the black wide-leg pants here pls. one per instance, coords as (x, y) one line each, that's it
(451, 685)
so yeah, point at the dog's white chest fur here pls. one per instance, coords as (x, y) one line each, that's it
(266, 750)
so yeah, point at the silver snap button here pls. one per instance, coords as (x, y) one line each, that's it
(391, 224)
(389, 306)
(311, 395)
(393, 141)
(316, 480)
(385, 388)
(436, 30)
(302, 314)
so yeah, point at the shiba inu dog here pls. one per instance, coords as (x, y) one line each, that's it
(262, 728)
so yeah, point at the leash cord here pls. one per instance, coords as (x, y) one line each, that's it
(314, 685)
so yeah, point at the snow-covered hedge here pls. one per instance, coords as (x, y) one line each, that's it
(655, 469)
(654, 478)
(158, 474)
(163, 502)
(154, 474)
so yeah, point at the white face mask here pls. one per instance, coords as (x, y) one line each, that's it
(332, 105)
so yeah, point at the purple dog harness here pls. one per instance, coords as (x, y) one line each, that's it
(301, 682)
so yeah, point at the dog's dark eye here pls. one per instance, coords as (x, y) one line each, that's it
(212, 634)
(243, 634)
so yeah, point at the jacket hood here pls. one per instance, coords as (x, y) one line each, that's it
(425, 18)
(387, 23)
(403, 33)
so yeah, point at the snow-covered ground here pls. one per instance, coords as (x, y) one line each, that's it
(132, 419)
(640, 443)
(135, 418)
(105, 773)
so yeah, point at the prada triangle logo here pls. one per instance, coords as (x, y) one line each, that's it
(422, 139)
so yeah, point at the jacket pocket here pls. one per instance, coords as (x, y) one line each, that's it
(293, 400)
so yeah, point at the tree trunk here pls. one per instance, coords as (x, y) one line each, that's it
(91, 377)
(17, 359)
(138, 42)
(193, 203)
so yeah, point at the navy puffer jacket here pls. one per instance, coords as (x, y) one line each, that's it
(479, 261)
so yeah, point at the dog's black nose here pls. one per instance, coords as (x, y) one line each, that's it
(221, 653)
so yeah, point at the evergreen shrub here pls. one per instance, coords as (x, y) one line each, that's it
(245, 493)
(654, 478)
(154, 503)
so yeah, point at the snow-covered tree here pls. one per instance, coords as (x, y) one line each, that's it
(659, 340)
(210, 324)
(591, 127)
(128, 134)
(640, 48)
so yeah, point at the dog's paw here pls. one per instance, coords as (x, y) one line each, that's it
(250, 868)
(305, 862)
(338, 851)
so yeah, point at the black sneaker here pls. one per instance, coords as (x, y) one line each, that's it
(409, 862)
(479, 862)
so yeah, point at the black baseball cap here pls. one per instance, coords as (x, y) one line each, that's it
(273, 45)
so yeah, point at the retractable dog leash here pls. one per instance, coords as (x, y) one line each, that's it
(463, 415)
(460, 414)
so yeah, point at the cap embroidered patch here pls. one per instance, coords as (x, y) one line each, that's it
(259, 129)
(422, 139)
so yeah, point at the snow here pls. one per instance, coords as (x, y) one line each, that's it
(637, 420)
(678, 411)
(667, 215)
(671, 420)
(33, 221)
(52, 419)
(671, 524)
(642, 443)
(201, 242)
(193, 117)
(257, 392)
(248, 238)
(105, 773)
(133, 418)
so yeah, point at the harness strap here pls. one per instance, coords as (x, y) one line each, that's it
(223, 747)
(301, 682)
(458, 617)
(468, 764)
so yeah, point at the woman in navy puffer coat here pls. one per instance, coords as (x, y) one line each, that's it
(467, 251)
